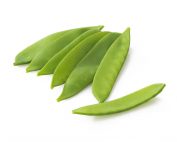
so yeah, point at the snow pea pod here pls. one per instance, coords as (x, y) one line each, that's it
(110, 66)
(50, 50)
(69, 62)
(26, 55)
(122, 104)
(51, 65)
(83, 73)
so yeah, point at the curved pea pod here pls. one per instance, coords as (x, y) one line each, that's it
(84, 72)
(26, 55)
(69, 62)
(122, 104)
(53, 48)
(110, 66)
(51, 65)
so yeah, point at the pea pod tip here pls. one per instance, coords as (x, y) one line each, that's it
(77, 111)
(15, 64)
(101, 27)
(74, 111)
(59, 99)
(19, 63)
(28, 69)
(163, 85)
(54, 84)
(100, 100)
(31, 68)
(51, 86)
(39, 73)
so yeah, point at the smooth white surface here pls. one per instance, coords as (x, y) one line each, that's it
(28, 108)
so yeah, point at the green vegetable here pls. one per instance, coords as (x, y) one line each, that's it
(26, 55)
(51, 65)
(83, 73)
(78, 57)
(122, 104)
(110, 66)
(69, 62)
(54, 47)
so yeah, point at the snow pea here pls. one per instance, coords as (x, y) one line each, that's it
(124, 103)
(26, 55)
(110, 66)
(53, 48)
(83, 73)
(70, 61)
(51, 65)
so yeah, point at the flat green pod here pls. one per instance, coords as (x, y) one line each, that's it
(110, 66)
(54, 47)
(51, 65)
(26, 55)
(69, 62)
(84, 72)
(122, 104)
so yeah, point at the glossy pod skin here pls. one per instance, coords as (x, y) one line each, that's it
(110, 67)
(50, 50)
(26, 55)
(83, 73)
(51, 65)
(122, 104)
(70, 61)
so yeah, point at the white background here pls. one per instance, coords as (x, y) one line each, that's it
(28, 108)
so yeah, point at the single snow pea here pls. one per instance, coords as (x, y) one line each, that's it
(83, 73)
(110, 66)
(26, 55)
(69, 62)
(50, 66)
(50, 50)
(122, 104)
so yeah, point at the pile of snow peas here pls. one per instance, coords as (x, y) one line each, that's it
(83, 56)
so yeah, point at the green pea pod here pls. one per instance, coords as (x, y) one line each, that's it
(110, 66)
(54, 47)
(84, 72)
(122, 104)
(69, 62)
(26, 55)
(51, 65)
